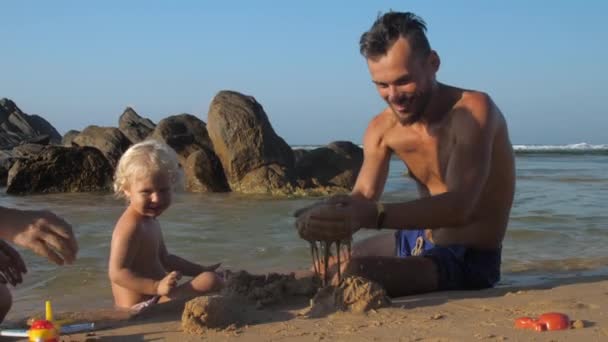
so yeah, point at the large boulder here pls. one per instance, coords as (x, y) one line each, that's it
(6, 161)
(61, 169)
(204, 173)
(134, 126)
(185, 133)
(17, 127)
(68, 137)
(27, 150)
(336, 165)
(109, 140)
(255, 159)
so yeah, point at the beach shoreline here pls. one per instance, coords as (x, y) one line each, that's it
(486, 315)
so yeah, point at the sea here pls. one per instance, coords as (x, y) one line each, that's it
(558, 229)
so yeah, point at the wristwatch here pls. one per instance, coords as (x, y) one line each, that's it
(380, 215)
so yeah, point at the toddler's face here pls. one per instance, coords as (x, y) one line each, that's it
(149, 195)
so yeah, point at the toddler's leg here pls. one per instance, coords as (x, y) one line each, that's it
(6, 300)
(201, 284)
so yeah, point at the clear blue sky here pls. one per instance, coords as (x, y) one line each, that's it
(76, 63)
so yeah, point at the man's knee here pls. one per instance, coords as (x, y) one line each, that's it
(6, 301)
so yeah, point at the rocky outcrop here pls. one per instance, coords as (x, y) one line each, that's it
(6, 161)
(17, 127)
(109, 140)
(134, 126)
(185, 133)
(204, 173)
(27, 150)
(336, 165)
(68, 137)
(254, 158)
(61, 169)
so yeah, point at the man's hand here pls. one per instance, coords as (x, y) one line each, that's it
(11, 265)
(168, 283)
(45, 234)
(337, 219)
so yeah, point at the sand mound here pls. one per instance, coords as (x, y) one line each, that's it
(354, 294)
(211, 312)
(267, 289)
(241, 300)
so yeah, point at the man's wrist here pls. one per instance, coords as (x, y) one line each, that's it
(380, 215)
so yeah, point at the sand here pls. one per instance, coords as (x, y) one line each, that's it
(486, 315)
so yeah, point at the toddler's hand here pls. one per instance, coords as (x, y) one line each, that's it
(168, 283)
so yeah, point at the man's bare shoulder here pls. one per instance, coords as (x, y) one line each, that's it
(377, 129)
(381, 123)
(475, 107)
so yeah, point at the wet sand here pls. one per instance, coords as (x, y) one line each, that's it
(486, 315)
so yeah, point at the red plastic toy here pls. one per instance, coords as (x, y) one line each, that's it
(547, 321)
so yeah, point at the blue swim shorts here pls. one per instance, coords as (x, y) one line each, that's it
(459, 267)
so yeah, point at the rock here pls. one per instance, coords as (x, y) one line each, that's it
(40, 140)
(204, 173)
(134, 126)
(6, 162)
(109, 140)
(336, 165)
(44, 128)
(578, 324)
(68, 137)
(255, 159)
(17, 127)
(61, 169)
(185, 133)
(211, 312)
(27, 150)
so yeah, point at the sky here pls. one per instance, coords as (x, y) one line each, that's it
(80, 63)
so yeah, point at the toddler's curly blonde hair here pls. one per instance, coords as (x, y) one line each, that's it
(146, 159)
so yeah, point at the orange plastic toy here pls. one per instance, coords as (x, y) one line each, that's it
(44, 330)
(546, 321)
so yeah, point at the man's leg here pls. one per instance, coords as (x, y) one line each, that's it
(6, 300)
(377, 245)
(399, 276)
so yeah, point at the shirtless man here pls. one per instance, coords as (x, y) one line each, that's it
(42, 232)
(142, 272)
(456, 147)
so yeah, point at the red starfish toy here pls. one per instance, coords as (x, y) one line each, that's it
(546, 321)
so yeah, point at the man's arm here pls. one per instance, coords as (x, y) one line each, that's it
(376, 157)
(125, 246)
(467, 172)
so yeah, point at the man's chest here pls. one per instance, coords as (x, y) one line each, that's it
(426, 156)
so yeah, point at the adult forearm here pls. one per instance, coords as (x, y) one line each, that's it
(8, 223)
(131, 281)
(449, 209)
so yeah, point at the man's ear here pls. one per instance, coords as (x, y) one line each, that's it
(434, 61)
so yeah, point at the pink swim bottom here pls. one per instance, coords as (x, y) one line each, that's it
(139, 307)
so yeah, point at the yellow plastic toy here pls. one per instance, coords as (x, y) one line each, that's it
(44, 330)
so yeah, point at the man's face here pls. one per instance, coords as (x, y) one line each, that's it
(404, 80)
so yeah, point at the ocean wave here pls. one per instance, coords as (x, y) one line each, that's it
(578, 148)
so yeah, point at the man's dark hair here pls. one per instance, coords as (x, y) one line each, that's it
(388, 28)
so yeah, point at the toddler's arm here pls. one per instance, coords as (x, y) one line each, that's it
(125, 246)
